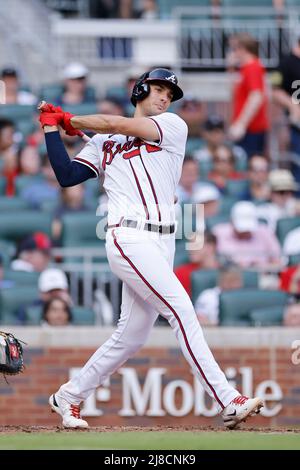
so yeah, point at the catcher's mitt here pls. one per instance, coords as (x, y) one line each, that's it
(11, 354)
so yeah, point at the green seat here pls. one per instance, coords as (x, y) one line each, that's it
(205, 168)
(267, 316)
(81, 316)
(181, 254)
(208, 278)
(203, 279)
(79, 230)
(226, 204)
(7, 251)
(193, 144)
(2, 185)
(13, 298)
(18, 112)
(81, 109)
(33, 315)
(236, 188)
(18, 224)
(22, 277)
(51, 92)
(294, 259)
(221, 218)
(284, 226)
(236, 305)
(12, 204)
(26, 127)
(165, 7)
(24, 181)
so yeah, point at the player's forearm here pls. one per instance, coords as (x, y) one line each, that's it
(251, 107)
(100, 123)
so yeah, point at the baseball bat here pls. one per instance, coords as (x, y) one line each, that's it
(43, 106)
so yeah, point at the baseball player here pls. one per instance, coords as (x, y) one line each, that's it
(142, 159)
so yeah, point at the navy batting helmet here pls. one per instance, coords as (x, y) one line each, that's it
(141, 88)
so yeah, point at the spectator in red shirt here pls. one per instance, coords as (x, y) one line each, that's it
(202, 256)
(249, 121)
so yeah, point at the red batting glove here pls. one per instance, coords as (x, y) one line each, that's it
(51, 119)
(67, 126)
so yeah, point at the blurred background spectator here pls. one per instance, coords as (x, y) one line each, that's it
(292, 315)
(202, 255)
(207, 304)
(14, 94)
(282, 200)
(33, 253)
(8, 154)
(250, 122)
(223, 167)
(245, 241)
(75, 87)
(56, 312)
(258, 189)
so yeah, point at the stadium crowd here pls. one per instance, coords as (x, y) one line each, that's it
(246, 247)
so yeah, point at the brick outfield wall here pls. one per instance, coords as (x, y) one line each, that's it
(24, 400)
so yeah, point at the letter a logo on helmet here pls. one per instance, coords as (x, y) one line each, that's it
(141, 88)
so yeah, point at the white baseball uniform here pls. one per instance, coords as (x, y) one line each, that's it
(140, 181)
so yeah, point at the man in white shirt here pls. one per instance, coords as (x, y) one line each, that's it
(142, 160)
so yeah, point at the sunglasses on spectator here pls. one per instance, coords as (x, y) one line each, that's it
(222, 159)
(282, 192)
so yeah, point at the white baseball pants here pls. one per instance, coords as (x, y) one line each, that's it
(143, 261)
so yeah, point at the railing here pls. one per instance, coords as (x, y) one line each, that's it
(194, 37)
(88, 271)
(202, 40)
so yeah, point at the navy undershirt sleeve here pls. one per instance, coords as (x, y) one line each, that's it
(68, 173)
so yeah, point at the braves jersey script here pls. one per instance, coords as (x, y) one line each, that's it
(140, 176)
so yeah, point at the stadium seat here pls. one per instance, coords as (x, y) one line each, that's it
(221, 218)
(23, 278)
(12, 204)
(7, 251)
(24, 181)
(267, 316)
(17, 112)
(165, 7)
(208, 278)
(181, 254)
(19, 224)
(236, 305)
(50, 93)
(81, 109)
(33, 315)
(204, 168)
(80, 229)
(226, 204)
(11, 299)
(2, 185)
(193, 144)
(236, 188)
(83, 316)
(294, 259)
(284, 226)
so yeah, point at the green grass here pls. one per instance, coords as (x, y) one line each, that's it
(150, 440)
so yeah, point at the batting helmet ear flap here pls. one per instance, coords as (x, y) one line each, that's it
(141, 89)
